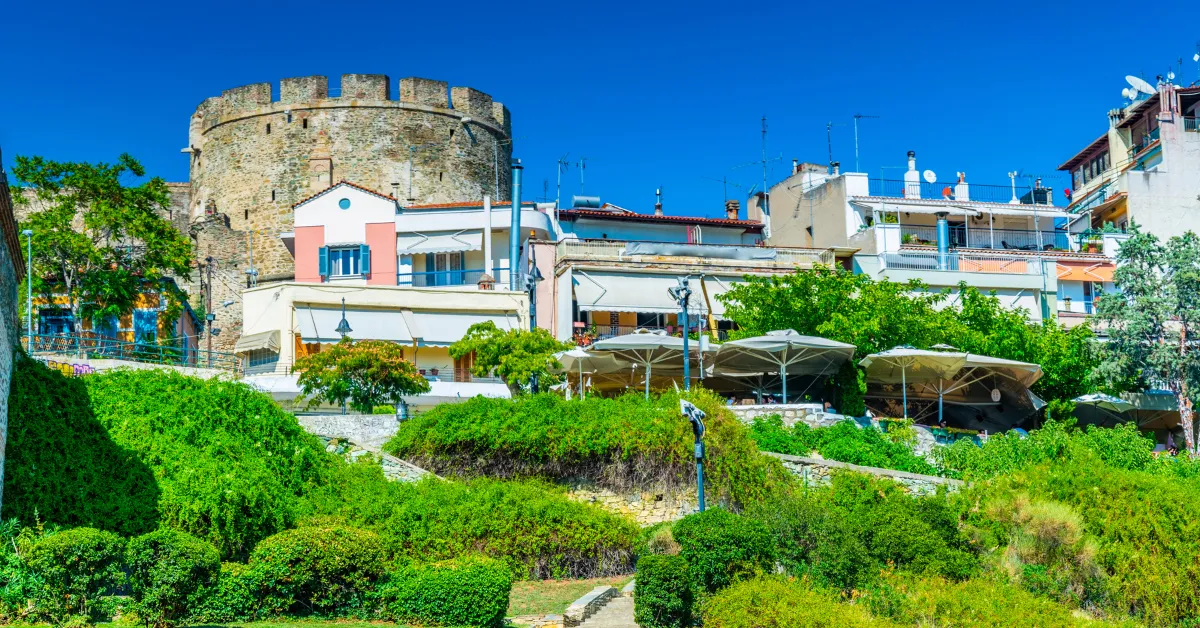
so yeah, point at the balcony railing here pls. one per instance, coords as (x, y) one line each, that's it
(960, 262)
(1191, 124)
(1146, 141)
(1086, 306)
(585, 337)
(612, 250)
(98, 347)
(984, 238)
(464, 277)
(457, 375)
(946, 191)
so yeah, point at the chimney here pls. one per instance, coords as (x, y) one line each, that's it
(962, 191)
(795, 166)
(912, 161)
(732, 209)
(912, 178)
(835, 168)
(658, 202)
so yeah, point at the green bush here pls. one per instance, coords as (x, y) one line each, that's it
(318, 570)
(783, 603)
(722, 548)
(531, 526)
(77, 568)
(843, 534)
(623, 443)
(129, 451)
(844, 442)
(18, 583)
(167, 571)
(470, 591)
(656, 539)
(383, 410)
(662, 594)
(234, 598)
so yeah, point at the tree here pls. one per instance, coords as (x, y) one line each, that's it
(1153, 320)
(98, 242)
(367, 373)
(516, 355)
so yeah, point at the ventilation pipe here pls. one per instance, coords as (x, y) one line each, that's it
(514, 230)
(658, 202)
(732, 209)
(912, 178)
(943, 241)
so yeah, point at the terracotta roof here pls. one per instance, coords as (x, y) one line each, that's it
(341, 183)
(468, 204)
(572, 214)
(1085, 153)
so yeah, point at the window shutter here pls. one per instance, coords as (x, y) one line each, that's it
(364, 259)
(323, 261)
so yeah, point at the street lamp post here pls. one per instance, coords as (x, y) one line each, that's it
(29, 288)
(681, 294)
(532, 279)
(343, 328)
(696, 416)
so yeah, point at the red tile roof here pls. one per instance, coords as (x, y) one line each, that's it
(468, 204)
(340, 183)
(572, 214)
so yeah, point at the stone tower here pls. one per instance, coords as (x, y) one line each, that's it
(254, 154)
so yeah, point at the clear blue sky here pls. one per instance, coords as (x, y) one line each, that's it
(651, 93)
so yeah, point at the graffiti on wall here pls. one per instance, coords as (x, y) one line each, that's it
(69, 370)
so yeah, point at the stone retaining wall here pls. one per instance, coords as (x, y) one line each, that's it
(645, 507)
(371, 431)
(792, 413)
(817, 472)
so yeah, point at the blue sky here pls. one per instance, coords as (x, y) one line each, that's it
(651, 93)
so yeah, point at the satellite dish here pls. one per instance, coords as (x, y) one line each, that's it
(930, 177)
(1140, 85)
(996, 395)
(1170, 76)
(1196, 57)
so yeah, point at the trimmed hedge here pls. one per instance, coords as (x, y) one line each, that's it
(470, 591)
(783, 603)
(168, 570)
(722, 548)
(317, 570)
(235, 597)
(623, 443)
(77, 568)
(531, 526)
(662, 593)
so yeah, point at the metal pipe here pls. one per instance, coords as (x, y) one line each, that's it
(514, 230)
(943, 241)
(29, 289)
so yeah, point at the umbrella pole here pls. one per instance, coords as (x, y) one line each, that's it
(904, 391)
(783, 371)
(649, 366)
(940, 388)
(581, 393)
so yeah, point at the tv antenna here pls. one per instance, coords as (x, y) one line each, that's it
(725, 183)
(763, 161)
(582, 165)
(829, 137)
(563, 164)
(857, 117)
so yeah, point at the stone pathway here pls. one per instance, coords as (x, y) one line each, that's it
(617, 613)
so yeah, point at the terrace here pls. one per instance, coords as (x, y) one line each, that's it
(692, 257)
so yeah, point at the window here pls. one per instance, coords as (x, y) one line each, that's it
(261, 361)
(304, 123)
(272, 194)
(344, 262)
(246, 214)
(289, 117)
(55, 321)
(344, 203)
(145, 326)
(444, 269)
(268, 128)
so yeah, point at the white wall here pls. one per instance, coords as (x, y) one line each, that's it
(1162, 199)
(621, 230)
(344, 226)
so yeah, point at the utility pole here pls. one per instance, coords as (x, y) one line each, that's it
(563, 164)
(857, 117)
(209, 317)
(582, 165)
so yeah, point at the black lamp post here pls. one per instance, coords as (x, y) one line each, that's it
(696, 416)
(532, 279)
(343, 328)
(681, 294)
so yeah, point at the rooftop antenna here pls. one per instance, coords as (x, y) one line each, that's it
(563, 164)
(582, 165)
(829, 137)
(857, 117)
(725, 183)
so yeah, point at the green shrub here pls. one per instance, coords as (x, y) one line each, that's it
(783, 603)
(656, 539)
(167, 570)
(531, 526)
(383, 410)
(623, 443)
(843, 534)
(844, 442)
(77, 568)
(319, 570)
(18, 583)
(470, 591)
(662, 594)
(132, 450)
(234, 598)
(721, 548)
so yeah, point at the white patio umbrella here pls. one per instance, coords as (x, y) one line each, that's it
(900, 364)
(978, 369)
(784, 351)
(581, 361)
(644, 348)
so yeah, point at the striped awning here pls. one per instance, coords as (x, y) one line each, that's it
(267, 340)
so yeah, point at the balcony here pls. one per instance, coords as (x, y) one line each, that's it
(977, 193)
(1191, 124)
(984, 238)
(714, 256)
(1146, 141)
(439, 278)
(456, 375)
(960, 262)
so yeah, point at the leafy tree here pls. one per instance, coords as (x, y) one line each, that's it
(98, 241)
(516, 355)
(367, 373)
(1153, 322)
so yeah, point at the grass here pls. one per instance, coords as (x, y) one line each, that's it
(545, 597)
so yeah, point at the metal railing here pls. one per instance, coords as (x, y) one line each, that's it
(457, 375)
(464, 277)
(93, 346)
(1146, 141)
(1191, 124)
(1086, 306)
(614, 250)
(961, 262)
(981, 237)
(980, 193)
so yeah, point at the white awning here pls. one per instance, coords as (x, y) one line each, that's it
(445, 328)
(636, 292)
(267, 340)
(1042, 211)
(912, 207)
(317, 324)
(441, 242)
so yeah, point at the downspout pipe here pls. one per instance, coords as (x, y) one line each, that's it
(514, 230)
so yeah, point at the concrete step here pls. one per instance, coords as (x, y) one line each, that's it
(616, 613)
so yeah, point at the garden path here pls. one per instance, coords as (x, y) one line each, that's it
(617, 613)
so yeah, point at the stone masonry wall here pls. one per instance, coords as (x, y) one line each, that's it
(229, 251)
(818, 472)
(10, 334)
(645, 507)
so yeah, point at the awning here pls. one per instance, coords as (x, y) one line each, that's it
(317, 324)
(267, 340)
(446, 328)
(1042, 211)
(916, 207)
(1085, 271)
(440, 242)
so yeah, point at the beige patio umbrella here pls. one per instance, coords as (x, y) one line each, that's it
(784, 351)
(900, 365)
(644, 348)
(581, 361)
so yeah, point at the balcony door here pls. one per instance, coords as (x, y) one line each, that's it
(444, 269)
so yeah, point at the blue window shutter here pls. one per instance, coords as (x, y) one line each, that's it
(323, 261)
(364, 262)
(429, 262)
